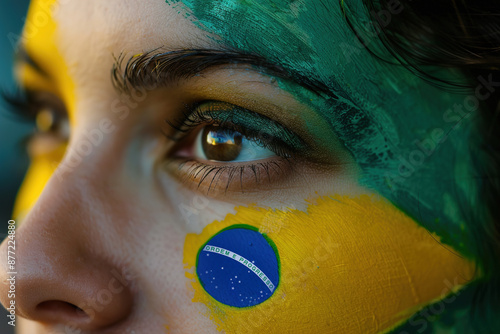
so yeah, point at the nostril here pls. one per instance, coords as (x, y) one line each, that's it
(56, 308)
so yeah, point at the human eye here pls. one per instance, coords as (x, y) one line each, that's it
(48, 115)
(220, 144)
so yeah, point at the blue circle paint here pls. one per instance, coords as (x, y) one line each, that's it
(239, 267)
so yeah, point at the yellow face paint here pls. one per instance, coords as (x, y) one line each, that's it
(41, 169)
(40, 42)
(349, 265)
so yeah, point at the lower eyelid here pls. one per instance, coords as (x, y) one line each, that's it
(215, 178)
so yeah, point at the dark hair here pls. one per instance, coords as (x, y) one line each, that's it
(465, 35)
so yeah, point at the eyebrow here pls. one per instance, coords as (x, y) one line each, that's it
(153, 69)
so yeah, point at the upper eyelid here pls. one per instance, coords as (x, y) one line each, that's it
(33, 79)
(27, 103)
(212, 111)
(22, 57)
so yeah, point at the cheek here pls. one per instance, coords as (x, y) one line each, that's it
(353, 264)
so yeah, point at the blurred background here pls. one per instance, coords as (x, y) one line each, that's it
(13, 159)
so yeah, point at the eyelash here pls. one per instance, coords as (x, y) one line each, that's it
(287, 148)
(202, 171)
(26, 106)
(19, 105)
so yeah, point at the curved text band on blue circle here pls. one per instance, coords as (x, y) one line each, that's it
(238, 267)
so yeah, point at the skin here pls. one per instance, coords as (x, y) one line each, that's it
(130, 267)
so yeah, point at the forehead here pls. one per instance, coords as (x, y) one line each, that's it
(309, 35)
(296, 35)
(107, 26)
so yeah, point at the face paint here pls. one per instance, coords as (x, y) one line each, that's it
(239, 267)
(337, 260)
(40, 41)
(400, 130)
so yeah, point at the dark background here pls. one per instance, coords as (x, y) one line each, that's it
(13, 159)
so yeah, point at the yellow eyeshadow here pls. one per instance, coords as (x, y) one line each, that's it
(32, 80)
(348, 265)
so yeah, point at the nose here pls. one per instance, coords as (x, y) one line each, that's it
(61, 276)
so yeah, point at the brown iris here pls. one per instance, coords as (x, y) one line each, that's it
(221, 144)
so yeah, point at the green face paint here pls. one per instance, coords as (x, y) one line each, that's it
(409, 137)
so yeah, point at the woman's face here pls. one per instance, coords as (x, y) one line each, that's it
(232, 198)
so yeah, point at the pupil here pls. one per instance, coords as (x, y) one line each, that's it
(221, 144)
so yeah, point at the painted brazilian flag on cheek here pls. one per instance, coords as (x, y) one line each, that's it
(239, 267)
(306, 271)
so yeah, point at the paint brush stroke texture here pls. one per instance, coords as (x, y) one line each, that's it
(407, 135)
(344, 263)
